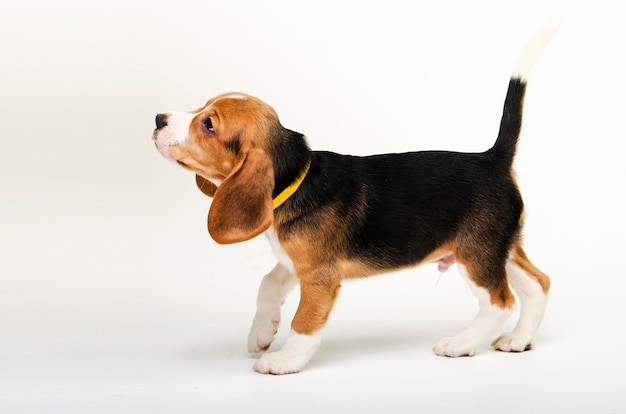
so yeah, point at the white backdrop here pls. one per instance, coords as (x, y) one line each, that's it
(113, 298)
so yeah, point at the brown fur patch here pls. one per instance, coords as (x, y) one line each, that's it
(483, 276)
(316, 302)
(520, 259)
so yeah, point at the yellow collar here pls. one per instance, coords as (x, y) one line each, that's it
(293, 187)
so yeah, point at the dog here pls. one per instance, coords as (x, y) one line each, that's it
(331, 217)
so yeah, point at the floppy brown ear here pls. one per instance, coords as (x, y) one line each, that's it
(207, 187)
(242, 205)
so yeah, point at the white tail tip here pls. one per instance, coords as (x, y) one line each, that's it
(531, 53)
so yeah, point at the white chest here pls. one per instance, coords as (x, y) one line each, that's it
(278, 250)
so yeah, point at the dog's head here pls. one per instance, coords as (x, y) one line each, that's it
(239, 152)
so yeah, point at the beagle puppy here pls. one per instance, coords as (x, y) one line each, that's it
(331, 217)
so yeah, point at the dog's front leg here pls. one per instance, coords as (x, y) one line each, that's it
(272, 292)
(316, 302)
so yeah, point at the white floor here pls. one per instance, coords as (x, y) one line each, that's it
(113, 297)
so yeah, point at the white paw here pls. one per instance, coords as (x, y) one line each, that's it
(456, 346)
(513, 342)
(262, 333)
(297, 352)
(278, 364)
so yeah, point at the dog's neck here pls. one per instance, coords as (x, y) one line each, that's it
(290, 157)
(292, 188)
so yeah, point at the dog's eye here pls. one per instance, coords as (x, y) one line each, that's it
(208, 126)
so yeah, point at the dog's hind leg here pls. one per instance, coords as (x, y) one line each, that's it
(531, 286)
(495, 306)
(481, 250)
(272, 292)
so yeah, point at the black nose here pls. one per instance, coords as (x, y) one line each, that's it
(161, 121)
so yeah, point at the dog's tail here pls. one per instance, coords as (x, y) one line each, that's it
(511, 122)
